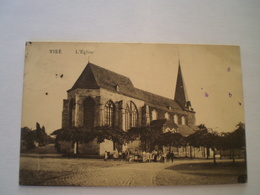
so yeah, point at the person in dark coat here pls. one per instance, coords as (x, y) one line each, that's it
(168, 157)
(172, 156)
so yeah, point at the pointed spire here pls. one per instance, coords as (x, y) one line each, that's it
(181, 96)
(179, 59)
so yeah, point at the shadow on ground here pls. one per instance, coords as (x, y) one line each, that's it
(31, 177)
(208, 165)
(209, 169)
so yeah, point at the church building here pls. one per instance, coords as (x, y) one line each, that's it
(101, 97)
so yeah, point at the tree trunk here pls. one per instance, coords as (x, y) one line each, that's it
(214, 155)
(148, 147)
(208, 153)
(75, 149)
(233, 151)
(190, 152)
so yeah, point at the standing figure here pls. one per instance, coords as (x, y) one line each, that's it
(123, 155)
(168, 157)
(172, 156)
(164, 157)
(119, 155)
(144, 156)
(115, 155)
(105, 156)
(155, 156)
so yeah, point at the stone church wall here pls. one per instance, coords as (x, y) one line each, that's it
(100, 98)
(89, 148)
(107, 145)
(120, 101)
(191, 118)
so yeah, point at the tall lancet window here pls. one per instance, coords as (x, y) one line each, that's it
(183, 120)
(175, 119)
(127, 117)
(131, 116)
(167, 116)
(134, 115)
(154, 115)
(109, 113)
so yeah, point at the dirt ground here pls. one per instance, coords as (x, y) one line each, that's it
(54, 170)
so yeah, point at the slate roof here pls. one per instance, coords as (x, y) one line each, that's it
(158, 123)
(194, 127)
(181, 95)
(95, 77)
(184, 130)
(157, 101)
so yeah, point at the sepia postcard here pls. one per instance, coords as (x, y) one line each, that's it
(132, 114)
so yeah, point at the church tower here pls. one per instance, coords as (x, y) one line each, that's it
(181, 95)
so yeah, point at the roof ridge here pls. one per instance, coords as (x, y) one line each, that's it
(92, 74)
(155, 94)
(91, 64)
(81, 77)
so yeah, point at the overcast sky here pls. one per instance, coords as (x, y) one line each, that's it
(212, 76)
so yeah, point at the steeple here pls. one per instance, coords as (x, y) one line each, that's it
(181, 96)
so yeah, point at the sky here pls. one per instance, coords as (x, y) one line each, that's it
(212, 75)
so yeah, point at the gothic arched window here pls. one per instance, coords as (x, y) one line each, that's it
(175, 118)
(134, 115)
(183, 120)
(109, 113)
(154, 115)
(127, 117)
(131, 116)
(167, 116)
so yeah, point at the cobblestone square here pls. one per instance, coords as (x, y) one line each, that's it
(55, 170)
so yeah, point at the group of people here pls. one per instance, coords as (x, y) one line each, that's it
(141, 156)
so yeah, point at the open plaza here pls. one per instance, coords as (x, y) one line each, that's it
(52, 169)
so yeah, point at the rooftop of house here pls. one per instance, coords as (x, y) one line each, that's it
(184, 130)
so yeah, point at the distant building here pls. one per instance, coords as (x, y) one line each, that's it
(102, 97)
